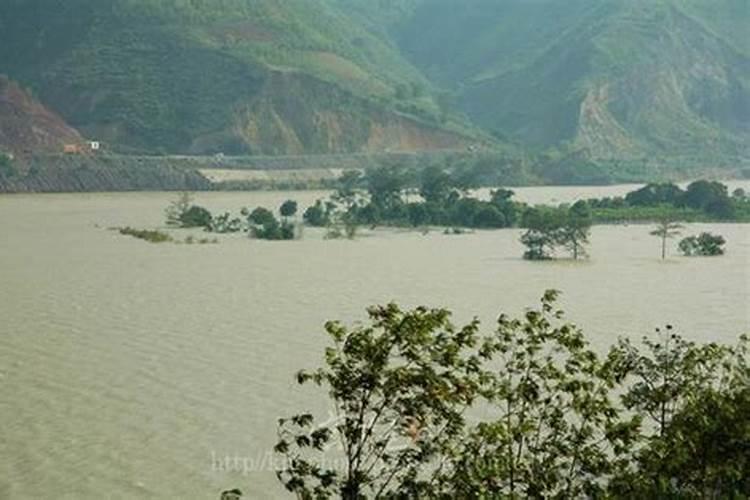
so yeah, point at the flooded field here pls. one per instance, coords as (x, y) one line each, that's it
(127, 370)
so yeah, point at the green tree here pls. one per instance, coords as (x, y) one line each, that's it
(177, 208)
(262, 224)
(196, 216)
(225, 223)
(696, 398)
(574, 234)
(317, 215)
(557, 431)
(654, 195)
(665, 230)
(436, 185)
(706, 244)
(711, 197)
(385, 185)
(543, 232)
(503, 200)
(288, 209)
(399, 389)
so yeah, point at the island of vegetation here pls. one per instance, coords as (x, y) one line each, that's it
(392, 197)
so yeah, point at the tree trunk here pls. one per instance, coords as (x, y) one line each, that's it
(663, 247)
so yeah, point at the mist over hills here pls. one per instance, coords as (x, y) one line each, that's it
(601, 79)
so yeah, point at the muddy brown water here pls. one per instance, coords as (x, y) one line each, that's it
(132, 370)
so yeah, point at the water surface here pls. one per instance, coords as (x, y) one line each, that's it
(126, 368)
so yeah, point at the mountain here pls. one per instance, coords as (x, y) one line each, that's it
(617, 79)
(238, 76)
(598, 81)
(26, 125)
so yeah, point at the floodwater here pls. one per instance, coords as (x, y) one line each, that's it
(132, 370)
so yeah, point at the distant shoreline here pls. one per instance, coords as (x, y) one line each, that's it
(124, 173)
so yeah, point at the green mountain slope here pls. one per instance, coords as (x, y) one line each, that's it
(251, 76)
(613, 78)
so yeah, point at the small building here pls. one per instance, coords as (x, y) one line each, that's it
(87, 147)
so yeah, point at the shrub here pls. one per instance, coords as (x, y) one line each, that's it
(146, 235)
(706, 244)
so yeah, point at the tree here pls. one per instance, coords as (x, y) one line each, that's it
(177, 208)
(399, 388)
(706, 244)
(225, 223)
(288, 209)
(404, 386)
(543, 232)
(436, 185)
(655, 194)
(557, 431)
(317, 215)
(696, 397)
(711, 197)
(574, 234)
(263, 225)
(385, 185)
(666, 229)
(503, 200)
(196, 216)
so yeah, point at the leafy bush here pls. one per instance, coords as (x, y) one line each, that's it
(706, 244)
(264, 225)
(196, 216)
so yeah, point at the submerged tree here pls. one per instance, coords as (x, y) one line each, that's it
(706, 244)
(574, 233)
(543, 232)
(182, 213)
(665, 230)
(288, 209)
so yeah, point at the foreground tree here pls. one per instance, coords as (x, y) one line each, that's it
(665, 230)
(697, 399)
(549, 424)
(557, 430)
(399, 388)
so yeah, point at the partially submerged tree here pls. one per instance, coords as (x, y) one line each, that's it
(706, 244)
(182, 213)
(574, 234)
(665, 230)
(262, 224)
(288, 209)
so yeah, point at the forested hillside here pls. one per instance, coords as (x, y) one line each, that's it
(614, 79)
(237, 76)
(579, 80)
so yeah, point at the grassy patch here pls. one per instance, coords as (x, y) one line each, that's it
(146, 235)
